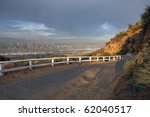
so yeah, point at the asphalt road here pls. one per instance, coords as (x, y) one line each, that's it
(79, 81)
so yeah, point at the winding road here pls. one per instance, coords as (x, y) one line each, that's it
(79, 81)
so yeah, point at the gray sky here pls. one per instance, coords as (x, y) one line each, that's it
(68, 18)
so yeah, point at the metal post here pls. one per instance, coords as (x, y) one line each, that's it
(1, 70)
(67, 60)
(53, 61)
(80, 59)
(30, 64)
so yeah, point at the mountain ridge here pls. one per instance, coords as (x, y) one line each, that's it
(128, 41)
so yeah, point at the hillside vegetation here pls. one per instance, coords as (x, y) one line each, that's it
(126, 41)
(136, 83)
(129, 41)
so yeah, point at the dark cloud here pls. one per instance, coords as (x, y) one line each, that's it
(74, 17)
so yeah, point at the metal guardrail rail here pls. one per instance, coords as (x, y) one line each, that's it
(32, 63)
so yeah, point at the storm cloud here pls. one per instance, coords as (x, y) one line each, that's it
(68, 17)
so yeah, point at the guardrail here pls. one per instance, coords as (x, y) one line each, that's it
(8, 66)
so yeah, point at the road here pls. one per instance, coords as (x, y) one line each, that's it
(79, 81)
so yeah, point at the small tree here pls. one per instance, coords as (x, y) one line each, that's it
(146, 18)
(106, 54)
(129, 26)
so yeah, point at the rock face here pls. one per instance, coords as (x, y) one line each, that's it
(115, 46)
(134, 39)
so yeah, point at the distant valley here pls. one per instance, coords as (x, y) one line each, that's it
(11, 46)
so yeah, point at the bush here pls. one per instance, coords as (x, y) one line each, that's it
(133, 28)
(146, 18)
(106, 54)
(129, 67)
(119, 36)
(142, 72)
(143, 75)
(123, 51)
(114, 54)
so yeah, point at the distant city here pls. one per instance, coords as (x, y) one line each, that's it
(18, 47)
(75, 51)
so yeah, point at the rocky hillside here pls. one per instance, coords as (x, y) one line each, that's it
(126, 41)
(132, 40)
(135, 84)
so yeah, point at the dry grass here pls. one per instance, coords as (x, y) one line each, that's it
(142, 71)
(136, 83)
(129, 66)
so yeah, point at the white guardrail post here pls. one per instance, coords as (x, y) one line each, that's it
(109, 58)
(30, 64)
(114, 58)
(90, 58)
(103, 58)
(80, 59)
(97, 58)
(1, 70)
(67, 60)
(120, 57)
(53, 61)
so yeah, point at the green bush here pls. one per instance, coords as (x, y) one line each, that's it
(143, 75)
(142, 72)
(129, 67)
(123, 51)
(146, 18)
(119, 36)
(106, 54)
(135, 27)
(114, 54)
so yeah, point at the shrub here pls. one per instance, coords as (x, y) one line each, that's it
(106, 54)
(113, 54)
(143, 75)
(133, 28)
(119, 36)
(146, 18)
(123, 51)
(129, 67)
